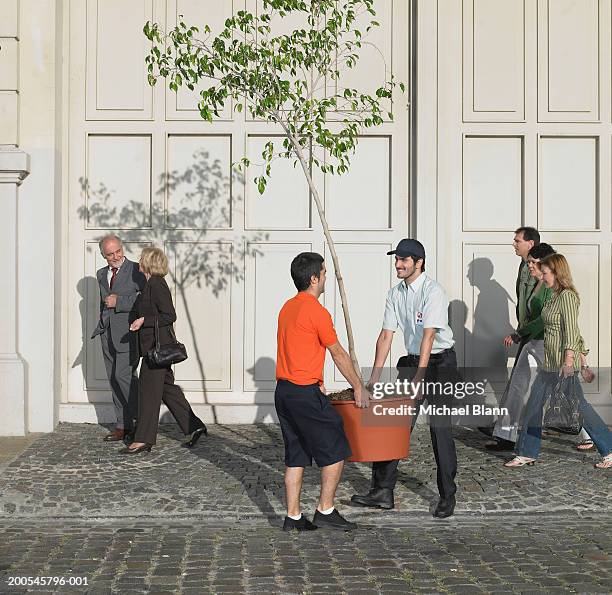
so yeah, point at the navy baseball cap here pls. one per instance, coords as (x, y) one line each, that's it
(409, 247)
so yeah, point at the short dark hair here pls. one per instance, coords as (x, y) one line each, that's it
(305, 266)
(530, 234)
(541, 250)
(417, 258)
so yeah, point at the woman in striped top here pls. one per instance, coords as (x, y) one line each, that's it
(563, 347)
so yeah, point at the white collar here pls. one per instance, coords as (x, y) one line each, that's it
(416, 284)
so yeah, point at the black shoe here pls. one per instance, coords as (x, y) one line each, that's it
(486, 430)
(500, 445)
(195, 436)
(445, 508)
(133, 451)
(376, 498)
(302, 524)
(333, 520)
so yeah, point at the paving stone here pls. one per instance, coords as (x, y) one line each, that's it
(537, 530)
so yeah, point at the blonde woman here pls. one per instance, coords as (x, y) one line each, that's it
(563, 347)
(157, 384)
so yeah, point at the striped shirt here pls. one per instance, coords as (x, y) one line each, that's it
(561, 331)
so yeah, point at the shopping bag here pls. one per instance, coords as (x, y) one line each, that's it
(563, 407)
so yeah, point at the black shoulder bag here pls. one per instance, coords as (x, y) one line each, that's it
(163, 356)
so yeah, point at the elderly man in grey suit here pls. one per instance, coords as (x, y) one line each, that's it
(120, 283)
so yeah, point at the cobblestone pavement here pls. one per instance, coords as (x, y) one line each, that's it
(12, 446)
(208, 520)
(503, 556)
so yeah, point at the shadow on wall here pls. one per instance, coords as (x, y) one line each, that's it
(491, 323)
(264, 380)
(191, 206)
(458, 315)
(88, 287)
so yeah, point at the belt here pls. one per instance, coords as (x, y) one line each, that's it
(433, 355)
(283, 381)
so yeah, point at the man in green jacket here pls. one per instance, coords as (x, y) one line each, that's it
(525, 238)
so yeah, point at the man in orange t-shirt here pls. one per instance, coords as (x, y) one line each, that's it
(311, 427)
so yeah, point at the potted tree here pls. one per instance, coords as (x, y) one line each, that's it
(279, 79)
(379, 433)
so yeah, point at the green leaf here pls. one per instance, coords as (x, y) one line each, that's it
(261, 184)
(275, 74)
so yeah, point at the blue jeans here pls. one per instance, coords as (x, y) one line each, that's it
(530, 436)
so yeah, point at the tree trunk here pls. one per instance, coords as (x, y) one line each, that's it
(332, 249)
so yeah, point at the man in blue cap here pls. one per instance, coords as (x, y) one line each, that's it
(418, 306)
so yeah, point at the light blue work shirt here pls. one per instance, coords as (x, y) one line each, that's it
(420, 305)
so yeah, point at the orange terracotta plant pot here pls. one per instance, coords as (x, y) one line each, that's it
(376, 437)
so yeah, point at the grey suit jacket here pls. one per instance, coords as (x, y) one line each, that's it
(116, 321)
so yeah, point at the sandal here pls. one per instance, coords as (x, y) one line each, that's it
(519, 461)
(585, 445)
(605, 463)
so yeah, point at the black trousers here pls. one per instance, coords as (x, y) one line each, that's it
(442, 368)
(157, 385)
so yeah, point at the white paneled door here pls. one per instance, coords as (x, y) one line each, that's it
(524, 137)
(144, 165)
